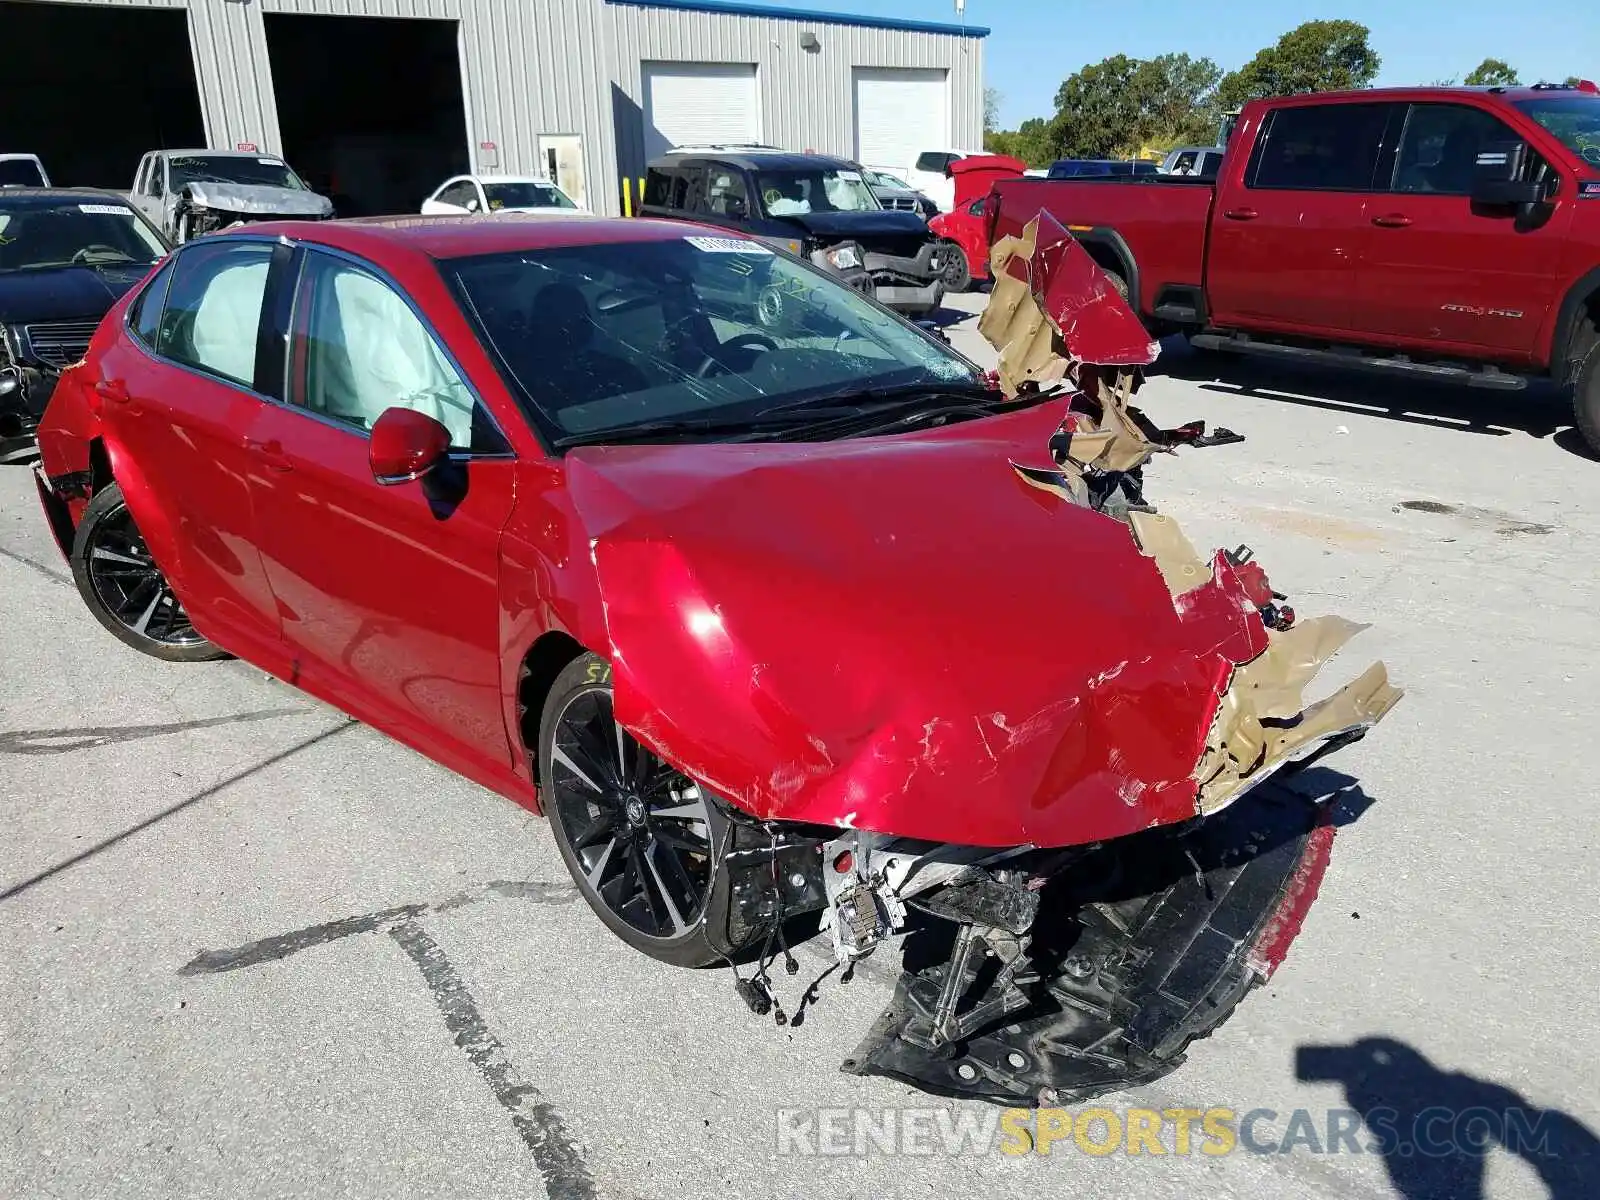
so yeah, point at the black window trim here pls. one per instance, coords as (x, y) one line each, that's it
(1264, 136)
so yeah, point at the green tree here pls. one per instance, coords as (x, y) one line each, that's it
(1318, 56)
(1034, 142)
(1113, 107)
(1492, 72)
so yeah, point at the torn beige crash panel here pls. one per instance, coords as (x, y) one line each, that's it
(1052, 305)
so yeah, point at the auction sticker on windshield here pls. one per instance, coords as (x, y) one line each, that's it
(108, 210)
(713, 245)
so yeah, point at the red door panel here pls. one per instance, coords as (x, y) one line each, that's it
(183, 429)
(1290, 221)
(389, 596)
(1435, 268)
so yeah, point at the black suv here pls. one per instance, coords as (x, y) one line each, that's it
(815, 207)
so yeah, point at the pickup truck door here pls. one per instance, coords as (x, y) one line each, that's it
(1289, 221)
(1435, 269)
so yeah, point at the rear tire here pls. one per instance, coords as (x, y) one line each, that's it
(1586, 398)
(957, 274)
(643, 842)
(124, 587)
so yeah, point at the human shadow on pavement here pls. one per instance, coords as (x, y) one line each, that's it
(1541, 411)
(1436, 1128)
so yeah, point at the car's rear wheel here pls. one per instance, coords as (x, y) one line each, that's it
(957, 275)
(125, 589)
(644, 843)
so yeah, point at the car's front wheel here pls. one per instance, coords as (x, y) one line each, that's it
(957, 275)
(643, 842)
(125, 589)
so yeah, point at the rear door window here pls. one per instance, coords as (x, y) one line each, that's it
(1320, 147)
(935, 162)
(212, 317)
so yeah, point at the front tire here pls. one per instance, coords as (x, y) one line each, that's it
(125, 589)
(643, 842)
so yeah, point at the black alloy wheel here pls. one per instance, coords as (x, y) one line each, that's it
(124, 587)
(643, 841)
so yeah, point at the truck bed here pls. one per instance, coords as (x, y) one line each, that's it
(1158, 223)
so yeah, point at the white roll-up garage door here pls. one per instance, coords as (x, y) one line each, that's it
(699, 104)
(900, 114)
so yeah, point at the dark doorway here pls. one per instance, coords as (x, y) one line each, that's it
(370, 108)
(91, 90)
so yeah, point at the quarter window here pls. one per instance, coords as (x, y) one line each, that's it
(213, 309)
(358, 349)
(147, 308)
(1439, 150)
(932, 161)
(1321, 147)
(463, 194)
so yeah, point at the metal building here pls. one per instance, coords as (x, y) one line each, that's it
(375, 101)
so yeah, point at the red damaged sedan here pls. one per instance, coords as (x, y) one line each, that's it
(775, 604)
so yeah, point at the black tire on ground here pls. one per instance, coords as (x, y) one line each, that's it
(1586, 398)
(1121, 284)
(644, 843)
(957, 275)
(125, 588)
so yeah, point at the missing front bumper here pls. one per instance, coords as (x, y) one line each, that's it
(1140, 947)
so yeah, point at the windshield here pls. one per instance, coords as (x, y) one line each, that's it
(1573, 119)
(815, 190)
(20, 172)
(60, 233)
(605, 337)
(526, 195)
(233, 168)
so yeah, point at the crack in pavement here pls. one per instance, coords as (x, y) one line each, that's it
(65, 741)
(556, 1155)
(115, 839)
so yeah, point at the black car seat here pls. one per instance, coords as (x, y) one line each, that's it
(556, 359)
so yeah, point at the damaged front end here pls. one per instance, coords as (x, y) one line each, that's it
(31, 358)
(206, 207)
(1069, 966)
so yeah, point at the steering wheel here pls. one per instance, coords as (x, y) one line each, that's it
(100, 247)
(741, 341)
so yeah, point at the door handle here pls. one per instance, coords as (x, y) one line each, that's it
(271, 455)
(114, 390)
(1392, 221)
(1241, 214)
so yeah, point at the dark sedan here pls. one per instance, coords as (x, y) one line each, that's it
(65, 258)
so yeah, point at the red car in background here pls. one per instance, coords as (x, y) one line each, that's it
(728, 570)
(964, 224)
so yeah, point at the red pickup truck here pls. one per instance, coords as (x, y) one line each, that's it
(1444, 232)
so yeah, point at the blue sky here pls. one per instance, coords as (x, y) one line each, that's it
(1038, 43)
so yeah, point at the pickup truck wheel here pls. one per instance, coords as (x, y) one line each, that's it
(1121, 284)
(1586, 398)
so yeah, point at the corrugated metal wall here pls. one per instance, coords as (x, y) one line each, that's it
(807, 98)
(537, 67)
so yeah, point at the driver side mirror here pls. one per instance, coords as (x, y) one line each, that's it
(1497, 181)
(404, 445)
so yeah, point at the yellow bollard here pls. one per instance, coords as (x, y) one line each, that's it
(627, 197)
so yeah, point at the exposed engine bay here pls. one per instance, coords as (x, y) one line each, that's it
(1051, 975)
(203, 208)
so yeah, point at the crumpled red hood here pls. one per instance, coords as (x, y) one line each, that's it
(899, 634)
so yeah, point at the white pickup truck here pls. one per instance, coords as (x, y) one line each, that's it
(187, 193)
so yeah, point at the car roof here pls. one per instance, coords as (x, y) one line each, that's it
(220, 154)
(758, 160)
(444, 237)
(510, 179)
(1415, 94)
(55, 195)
